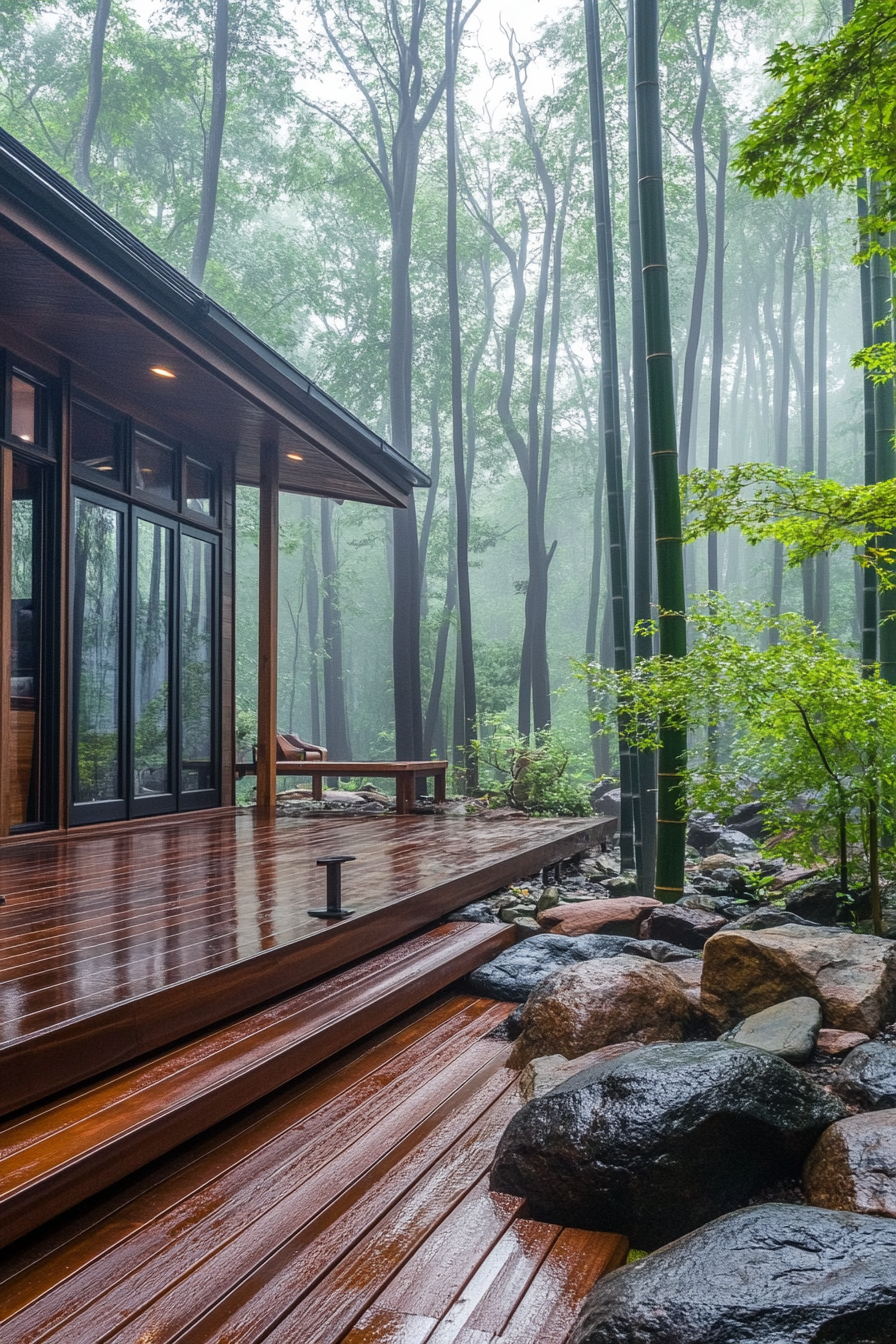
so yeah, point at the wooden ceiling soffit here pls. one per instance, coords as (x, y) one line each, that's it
(372, 485)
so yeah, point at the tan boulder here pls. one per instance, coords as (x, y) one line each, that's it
(545, 1072)
(621, 914)
(853, 1165)
(597, 1003)
(853, 976)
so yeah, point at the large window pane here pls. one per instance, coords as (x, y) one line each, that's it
(96, 649)
(152, 650)
(196, 561)
(153, 467)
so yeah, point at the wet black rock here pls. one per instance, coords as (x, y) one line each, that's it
(715, 903)
(774, 1274)
(703, 832)
(657, 950)
(867, 1077)
(734, 842)
(515, 973)
(766, 917)
(659, 1142)
(820, 902)
(479, 912)
(749, 819)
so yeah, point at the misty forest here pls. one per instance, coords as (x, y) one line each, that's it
(618, 279)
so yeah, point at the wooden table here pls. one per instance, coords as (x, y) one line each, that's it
(405, 774)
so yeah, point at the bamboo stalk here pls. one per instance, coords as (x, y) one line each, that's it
(671, 798)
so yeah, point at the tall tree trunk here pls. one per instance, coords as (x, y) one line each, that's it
(822, 562)
(312, 589)
(211, 165)
(435, 432)
(885, 426)
(692, 348)
(808, 407)
(612, 427)
(461, 485)
(643, 515)
(336, 718)
(718, 336)
(94, 95)
(671, 798)
(782, 401)
(433, 709)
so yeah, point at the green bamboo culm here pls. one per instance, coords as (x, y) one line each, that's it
(629, 828)
(671, 797)
(884, 427)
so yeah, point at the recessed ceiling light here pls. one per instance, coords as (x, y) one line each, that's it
(295, 457)
(162, 372)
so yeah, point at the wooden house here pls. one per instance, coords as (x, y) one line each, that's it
(132, 406)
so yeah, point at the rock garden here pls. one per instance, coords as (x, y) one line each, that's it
(716, 1080)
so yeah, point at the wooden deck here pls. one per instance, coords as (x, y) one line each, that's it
(351, 1206)
(113, 945)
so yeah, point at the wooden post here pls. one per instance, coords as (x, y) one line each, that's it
(6, 752)
(268, 538)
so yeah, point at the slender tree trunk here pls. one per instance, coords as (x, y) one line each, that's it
(461, 485)
(671, 796)
(94, 95)
(642, 533)
(783, 405)
(334, 675)
(692, 348)
(808, 406)
(435, 432)
(612, 427)
(718, 335)
(822, 562)
(433, 709)
(211, 166)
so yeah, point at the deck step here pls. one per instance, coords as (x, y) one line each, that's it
(59, 1154)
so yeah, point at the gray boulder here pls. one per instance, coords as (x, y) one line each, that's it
(867, 1076)
(716, 903)
(656, 950)
(774, 1274)
(703, 832)
(513, 974)
(788, 1029)
(767, 917)
(657, 1143)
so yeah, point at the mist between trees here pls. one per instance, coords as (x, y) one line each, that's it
(399, 198)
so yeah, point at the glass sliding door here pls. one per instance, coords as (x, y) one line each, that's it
(144, 663)
(197, 668)
(152, 720)
(97, 655)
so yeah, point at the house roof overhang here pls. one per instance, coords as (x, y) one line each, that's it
(73, 279)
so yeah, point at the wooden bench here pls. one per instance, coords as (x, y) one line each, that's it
(405, 774)
(59, 1154)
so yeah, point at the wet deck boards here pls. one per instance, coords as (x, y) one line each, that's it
(353, 1206)
(114, 945)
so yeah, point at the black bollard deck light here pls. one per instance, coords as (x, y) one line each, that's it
(334, 909)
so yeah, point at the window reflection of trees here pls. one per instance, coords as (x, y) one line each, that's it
(152, 656)
(196, 662)
(96, 621)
